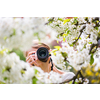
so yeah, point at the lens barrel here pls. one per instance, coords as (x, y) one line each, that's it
(42, 54)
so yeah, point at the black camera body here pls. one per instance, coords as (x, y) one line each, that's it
(43, 55)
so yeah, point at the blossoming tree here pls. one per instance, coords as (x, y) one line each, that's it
(80, 39)
(80, 42)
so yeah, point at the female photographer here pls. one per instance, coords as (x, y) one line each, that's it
(32, 59)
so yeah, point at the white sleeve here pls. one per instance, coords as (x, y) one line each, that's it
(67, 76)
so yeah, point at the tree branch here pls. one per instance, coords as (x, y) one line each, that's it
(74, 78)
(79, 34)
(49, 21)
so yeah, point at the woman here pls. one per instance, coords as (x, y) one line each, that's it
(45, 66)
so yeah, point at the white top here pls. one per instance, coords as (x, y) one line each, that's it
(67, 76)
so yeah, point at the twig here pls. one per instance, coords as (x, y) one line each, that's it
(82, 77)
(79, 34)
(74, 78)
(49, 21)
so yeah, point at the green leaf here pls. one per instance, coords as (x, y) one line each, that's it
(34, 80)
(80, 38)
(68, 32)
(70, 82)
(90, 42)
(2, 51)
(53, 51)
(36, 34)
(84, 45)
(5, 37)
(51, 20)
(66, 29)
(68, 65)
(86, 18)
(8, 68)
(23, 32)
(75, 17)
(98, 34)
(36, 71)
(64, 54)
(3, 70)
(57, 41)
(74, 28)
(75, 21)
(96, 28)
(57, 25)
(19, 53)
(64, 39)
(76, 38)
(64, 35)
(60, 19)
(2, 82)
(14, 33)
(57, 47)
(91, 59)
(76, 82)
(71, 44)
(5, 78)
(66, 20)
(58, 36)
(22, 71)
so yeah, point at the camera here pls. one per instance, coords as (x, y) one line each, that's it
(43, 54)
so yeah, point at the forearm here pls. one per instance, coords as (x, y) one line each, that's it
(57, 70)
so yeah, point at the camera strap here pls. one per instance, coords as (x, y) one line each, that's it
(52, 64)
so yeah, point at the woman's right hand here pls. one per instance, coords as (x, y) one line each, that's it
(31, 58)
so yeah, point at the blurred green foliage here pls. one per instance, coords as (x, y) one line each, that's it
(19, 53)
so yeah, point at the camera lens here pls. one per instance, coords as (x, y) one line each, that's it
(42, 53)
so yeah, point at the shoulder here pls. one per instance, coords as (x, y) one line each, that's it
(67, 76)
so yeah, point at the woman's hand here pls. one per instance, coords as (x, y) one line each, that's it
(32, 59)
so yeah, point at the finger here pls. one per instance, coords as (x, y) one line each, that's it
(50, 50)
(31, 52)
(34, 62)
(48, 60)
(36, 56)
(30, 60)
(37, 61)
(27, 58)
(30, 57)
(30, 65)
(33, 57)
